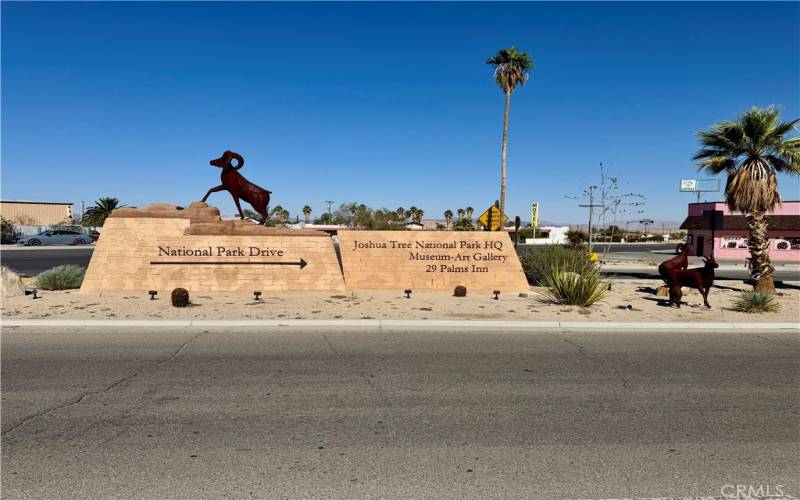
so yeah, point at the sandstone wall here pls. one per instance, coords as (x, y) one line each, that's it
(161, 248)
(430, 260)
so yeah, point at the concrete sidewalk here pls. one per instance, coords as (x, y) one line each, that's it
(413, 325)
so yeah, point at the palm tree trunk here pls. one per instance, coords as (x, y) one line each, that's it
(504, 154)
(758, 244)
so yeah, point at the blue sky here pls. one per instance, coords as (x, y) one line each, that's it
(388, 104)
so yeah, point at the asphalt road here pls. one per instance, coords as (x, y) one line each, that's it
(235, 414)
(32, 261)
(791, 274)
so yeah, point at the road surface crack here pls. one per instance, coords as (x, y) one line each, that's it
(105, 389)
(598, 359)
(327, 341)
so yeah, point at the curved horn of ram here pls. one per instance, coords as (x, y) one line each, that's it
(238, 157)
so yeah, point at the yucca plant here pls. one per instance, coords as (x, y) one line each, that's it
(571, 288)
(757, 301)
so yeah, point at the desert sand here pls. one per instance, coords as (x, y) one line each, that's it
(627, 301)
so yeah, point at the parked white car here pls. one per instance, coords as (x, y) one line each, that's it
(56, 237)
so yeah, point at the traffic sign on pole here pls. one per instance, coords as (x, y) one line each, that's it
(493, 218)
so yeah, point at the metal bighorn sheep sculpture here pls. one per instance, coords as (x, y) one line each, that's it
(238, 186)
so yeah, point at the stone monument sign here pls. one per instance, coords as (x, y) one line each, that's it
(431, 260)
(162, 247)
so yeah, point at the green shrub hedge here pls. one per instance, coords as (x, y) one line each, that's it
(536, 262)
(61, 278)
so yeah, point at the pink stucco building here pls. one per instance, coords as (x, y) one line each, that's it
(730, 241)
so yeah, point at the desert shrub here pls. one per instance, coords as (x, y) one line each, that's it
(61, 278)
(537, 262)
(576, 238)
(6, 231)
(571, 288)
(756, 301)
(463, 225)
(525, 233)
(180, 297)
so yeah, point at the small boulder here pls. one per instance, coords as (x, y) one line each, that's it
(180, 297)
(12, 283)
(460, 291)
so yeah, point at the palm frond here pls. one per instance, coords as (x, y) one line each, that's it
(750, 150)
(752, 188)
(718, 164)
(512, 68)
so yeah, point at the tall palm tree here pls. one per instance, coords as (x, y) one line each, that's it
(511, 68)
(448, 217)
(419, 216)
(750, 151)
(460, 213)
(307, 213)
(412, 213)
(401, 213)
(469, 211)
(96, 216)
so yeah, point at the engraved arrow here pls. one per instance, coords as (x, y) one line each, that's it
(302, 263)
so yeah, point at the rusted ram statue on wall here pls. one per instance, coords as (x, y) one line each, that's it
(239, 187)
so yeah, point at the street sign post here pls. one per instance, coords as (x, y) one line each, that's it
(645, 223)
(699, 186)
(493, 218)
(715, 221)
(534, 217)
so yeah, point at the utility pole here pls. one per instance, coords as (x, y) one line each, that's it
(83, 211)
(591, 206)
(330, 216)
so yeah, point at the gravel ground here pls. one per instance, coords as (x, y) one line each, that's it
(639, 296)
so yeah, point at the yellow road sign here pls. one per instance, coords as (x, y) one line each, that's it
(534, 214)
(499, 219)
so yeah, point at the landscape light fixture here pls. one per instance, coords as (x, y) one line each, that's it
(408, 293)
(153, 294)
(496, 294)
(257, 295)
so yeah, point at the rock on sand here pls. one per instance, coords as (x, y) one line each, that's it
(12, 283)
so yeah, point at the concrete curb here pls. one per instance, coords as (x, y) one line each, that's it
(410, 325)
